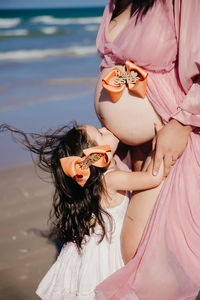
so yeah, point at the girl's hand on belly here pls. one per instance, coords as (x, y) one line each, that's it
(169, 144)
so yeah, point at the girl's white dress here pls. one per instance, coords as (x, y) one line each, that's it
(75, 275)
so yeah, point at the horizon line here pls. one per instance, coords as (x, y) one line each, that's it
(56, 7)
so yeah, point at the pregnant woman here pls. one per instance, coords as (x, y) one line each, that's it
(161, 38)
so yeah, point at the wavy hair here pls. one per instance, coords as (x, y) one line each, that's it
(139, 7)
(76, 210)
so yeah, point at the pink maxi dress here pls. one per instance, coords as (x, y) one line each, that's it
(167, 44)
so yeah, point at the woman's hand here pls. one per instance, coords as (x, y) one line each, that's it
(149, 167)
(169, 143)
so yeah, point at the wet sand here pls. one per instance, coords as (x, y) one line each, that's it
(25, 254)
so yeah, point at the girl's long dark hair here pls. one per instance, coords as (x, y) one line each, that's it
(76, 210)
(139, 7)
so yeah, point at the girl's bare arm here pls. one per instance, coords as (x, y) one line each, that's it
(124, 180)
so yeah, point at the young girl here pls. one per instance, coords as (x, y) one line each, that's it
(89, 205)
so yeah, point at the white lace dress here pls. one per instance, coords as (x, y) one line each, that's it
(74, 276)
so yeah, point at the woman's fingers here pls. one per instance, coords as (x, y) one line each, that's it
(167, 164)
(157, 127)
(169, 144)
(174, 158)
(157, 162)
(169, 161)
(154, 144)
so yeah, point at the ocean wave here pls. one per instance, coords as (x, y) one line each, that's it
(66, 21)
(18, 32)
(39, 54)
(48, 30)
(91, 28)
(9, 23)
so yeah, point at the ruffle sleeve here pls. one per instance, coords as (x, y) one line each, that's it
(187, 23)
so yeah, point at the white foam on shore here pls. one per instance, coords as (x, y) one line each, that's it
(65, 21)
(18, 32)
(39, 54)
(9, 23)
(49, 30)
(91, 28)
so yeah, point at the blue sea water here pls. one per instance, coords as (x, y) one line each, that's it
(48, 69)
(71, 29)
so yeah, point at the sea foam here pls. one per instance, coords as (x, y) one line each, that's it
(9, 23)
(48, 30)
(43, 53)
(18, 32)
(91, 28)
(65, 21)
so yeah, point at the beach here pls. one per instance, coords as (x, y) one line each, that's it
(26, 251)
(48, 72)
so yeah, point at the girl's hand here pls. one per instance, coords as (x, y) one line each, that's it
(169, 143)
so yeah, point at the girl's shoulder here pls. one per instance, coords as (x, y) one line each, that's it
(108, 171)
(112, 198)
(108, 179)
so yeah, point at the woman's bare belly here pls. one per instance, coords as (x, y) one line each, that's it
(131, 119)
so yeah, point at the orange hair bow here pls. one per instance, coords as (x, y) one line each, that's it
(134, 77)
(78, 167)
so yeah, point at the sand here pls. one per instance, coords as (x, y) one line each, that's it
(25, 255)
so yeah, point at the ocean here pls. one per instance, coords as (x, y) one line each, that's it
(48, 71)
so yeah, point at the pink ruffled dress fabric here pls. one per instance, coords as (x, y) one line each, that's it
(167, 44)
